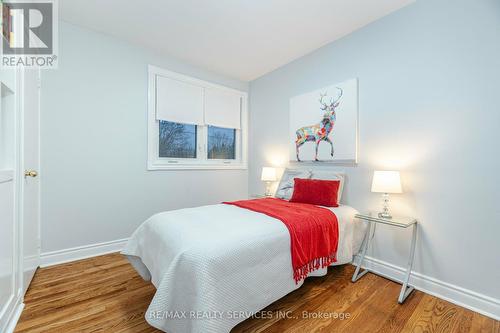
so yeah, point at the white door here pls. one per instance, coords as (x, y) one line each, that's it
(19, 190)
(31, 182)
(9, 226)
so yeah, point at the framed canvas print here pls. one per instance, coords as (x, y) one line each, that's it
(324, 124)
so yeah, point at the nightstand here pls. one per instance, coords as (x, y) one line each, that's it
(399, 222)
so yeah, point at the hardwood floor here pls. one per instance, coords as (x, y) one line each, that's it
(105, 294)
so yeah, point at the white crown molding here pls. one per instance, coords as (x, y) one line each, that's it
(81, 252)
(466, 298)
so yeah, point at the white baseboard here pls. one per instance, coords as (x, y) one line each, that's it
(480, 303)
(81, 252)
(16, 314)
(472, 300)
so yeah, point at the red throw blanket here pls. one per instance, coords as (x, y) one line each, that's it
(314, 232)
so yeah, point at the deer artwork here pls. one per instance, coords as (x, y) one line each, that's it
(319, 132)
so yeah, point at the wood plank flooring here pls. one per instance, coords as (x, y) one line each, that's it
(105, 294)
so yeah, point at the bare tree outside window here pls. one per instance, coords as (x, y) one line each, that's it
(177, 140)
(221, 143)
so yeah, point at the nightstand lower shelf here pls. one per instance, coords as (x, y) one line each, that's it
(406, 289)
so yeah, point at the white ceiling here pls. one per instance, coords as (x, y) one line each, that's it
(243, 39)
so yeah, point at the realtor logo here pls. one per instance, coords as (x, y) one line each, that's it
(29, 31)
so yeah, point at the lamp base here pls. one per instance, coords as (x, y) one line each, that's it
(268, 190)
(385, 212)
(384, 215)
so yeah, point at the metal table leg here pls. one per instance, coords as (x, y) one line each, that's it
(357, 275)
(405, 289)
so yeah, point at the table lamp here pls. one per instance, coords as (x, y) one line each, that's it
(268, 176)
(386, 182)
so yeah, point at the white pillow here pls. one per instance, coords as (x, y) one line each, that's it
(285, 188)
(330, 175)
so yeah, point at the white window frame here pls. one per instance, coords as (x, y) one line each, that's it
(201, 161)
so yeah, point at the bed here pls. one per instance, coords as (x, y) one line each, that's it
(214, 266)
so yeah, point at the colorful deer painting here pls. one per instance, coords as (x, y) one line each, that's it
(319, 132)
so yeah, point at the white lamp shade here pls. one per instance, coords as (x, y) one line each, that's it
(386, 182)
(268, 174)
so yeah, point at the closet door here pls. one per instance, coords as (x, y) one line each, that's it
(31, 182)
(10, 294)
(19, 189)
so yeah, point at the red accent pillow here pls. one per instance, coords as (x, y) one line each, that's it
(316, 192)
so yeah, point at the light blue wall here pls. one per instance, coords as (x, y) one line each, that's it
(429, 82)
(95, 186)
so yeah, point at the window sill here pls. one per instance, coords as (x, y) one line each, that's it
(197, 167)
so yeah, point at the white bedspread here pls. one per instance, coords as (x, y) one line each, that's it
(213, 266)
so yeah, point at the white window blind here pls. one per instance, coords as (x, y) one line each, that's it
(178, 101)
(222, 108)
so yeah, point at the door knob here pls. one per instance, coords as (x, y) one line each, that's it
(30, 173)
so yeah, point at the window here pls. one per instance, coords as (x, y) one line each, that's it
(221, 143)
(177, 140)
(193, 124)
